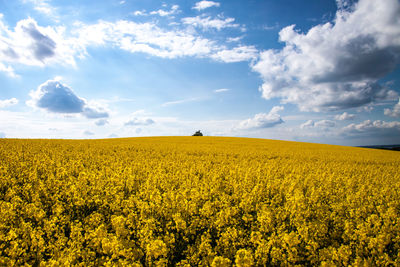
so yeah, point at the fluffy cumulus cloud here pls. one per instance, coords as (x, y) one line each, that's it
(395, 112)
(30, 44)
(139, 122)
(8, 102)
(336, 65)
(324, 124)
(93, 110)
(307, 124)
(263, 120)
(345, 116)
(205, 4)
(373, 128)
(54, 96)
(318, 124)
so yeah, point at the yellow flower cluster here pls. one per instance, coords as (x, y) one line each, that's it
(189, 201)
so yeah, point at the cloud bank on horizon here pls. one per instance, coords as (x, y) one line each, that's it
(315, 80)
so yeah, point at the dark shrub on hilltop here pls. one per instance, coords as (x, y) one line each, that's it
(197, 133)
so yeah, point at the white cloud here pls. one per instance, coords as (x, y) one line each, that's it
(145, 38)
(163, 13)
(88, 132)
(234, 39)
(207, 22)
(320, 124)
(307, 124)
(324, 124)
(378, 128)
(177, 102)
(46, 125)
(140, 112)
(94, 112)
(335, 65)
(8, 102)
(345, 116)
(269, 28)
(2, 135)
(395, 112)
(8, 70)
(345, 4)
(222, 90)
(139, 122)
(55, 97)
(42, 6)
(140, 13)
(30, 44)
(205, 4)
(263, 120)
(101, 122)
(237, 54)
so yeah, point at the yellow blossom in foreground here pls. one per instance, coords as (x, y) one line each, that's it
(197, 201)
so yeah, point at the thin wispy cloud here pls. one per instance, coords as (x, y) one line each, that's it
(207, 23)
(163, 13)
(150, 39)
(139, 122)
(8, 70)
(8, 102)
(42, 6)
(178, 102)
(101, 122)
(222, 90)
(234, 39)
(88, 133)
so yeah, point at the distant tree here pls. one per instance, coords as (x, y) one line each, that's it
(197, 133)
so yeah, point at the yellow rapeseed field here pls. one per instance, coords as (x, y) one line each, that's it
(197, 201)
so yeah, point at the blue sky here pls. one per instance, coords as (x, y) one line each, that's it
(313, 71)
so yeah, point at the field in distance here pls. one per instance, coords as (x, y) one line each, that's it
(197, 201)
